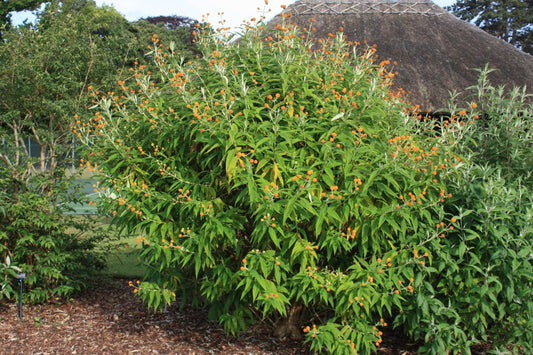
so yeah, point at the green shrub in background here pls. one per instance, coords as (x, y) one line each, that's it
(505, 140)
(7, 272)
(280, 179)
(489, 285)
(46, 69)
(41, 90)
(47, 245)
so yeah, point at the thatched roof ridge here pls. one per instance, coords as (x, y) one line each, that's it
(344, 7)
(435, 51)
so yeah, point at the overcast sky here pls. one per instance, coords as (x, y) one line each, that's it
(235, 11)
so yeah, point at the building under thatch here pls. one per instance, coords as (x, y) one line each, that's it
(435, 52)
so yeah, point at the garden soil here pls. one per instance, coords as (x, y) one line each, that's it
(111, 320)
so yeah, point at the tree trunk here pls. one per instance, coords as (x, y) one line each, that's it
(288, 327)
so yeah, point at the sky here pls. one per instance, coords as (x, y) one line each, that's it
(234, 11)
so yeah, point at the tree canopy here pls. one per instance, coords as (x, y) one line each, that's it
(8, 6)
(510, 20)
(47, 71)
(175, 29)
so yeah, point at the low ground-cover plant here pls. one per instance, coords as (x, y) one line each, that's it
(282, 179)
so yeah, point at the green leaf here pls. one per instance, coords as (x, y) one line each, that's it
(231, 163)
(289, 207)
(333, 215)
(274, 237)
(422, 303)
(320, 219)
(461, 249)
(369, 182)
(337, 116)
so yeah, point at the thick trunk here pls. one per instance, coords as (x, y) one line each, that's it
(288, 327)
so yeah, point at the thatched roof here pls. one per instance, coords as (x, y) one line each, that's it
(435, 51)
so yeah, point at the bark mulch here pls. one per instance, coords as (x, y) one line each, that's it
(110, 320)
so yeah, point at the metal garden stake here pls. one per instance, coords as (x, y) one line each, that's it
(21, 276)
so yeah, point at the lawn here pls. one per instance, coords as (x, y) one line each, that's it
(121, 253)
(123, 259)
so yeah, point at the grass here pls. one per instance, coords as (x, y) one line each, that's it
(123, 259)
(121, 254)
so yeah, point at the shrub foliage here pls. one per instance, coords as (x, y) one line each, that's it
(283, 179)
(45, 71)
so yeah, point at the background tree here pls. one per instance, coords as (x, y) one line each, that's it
(45, 72)
(7, 6)
(176, 29)
(510, 20)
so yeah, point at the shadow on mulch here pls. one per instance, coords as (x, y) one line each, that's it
(188, 325)
(108, 319)
(192, 325)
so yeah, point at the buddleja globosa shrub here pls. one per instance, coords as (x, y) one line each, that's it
(279, 178)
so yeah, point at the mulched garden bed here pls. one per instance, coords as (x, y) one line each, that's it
(110, 320)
